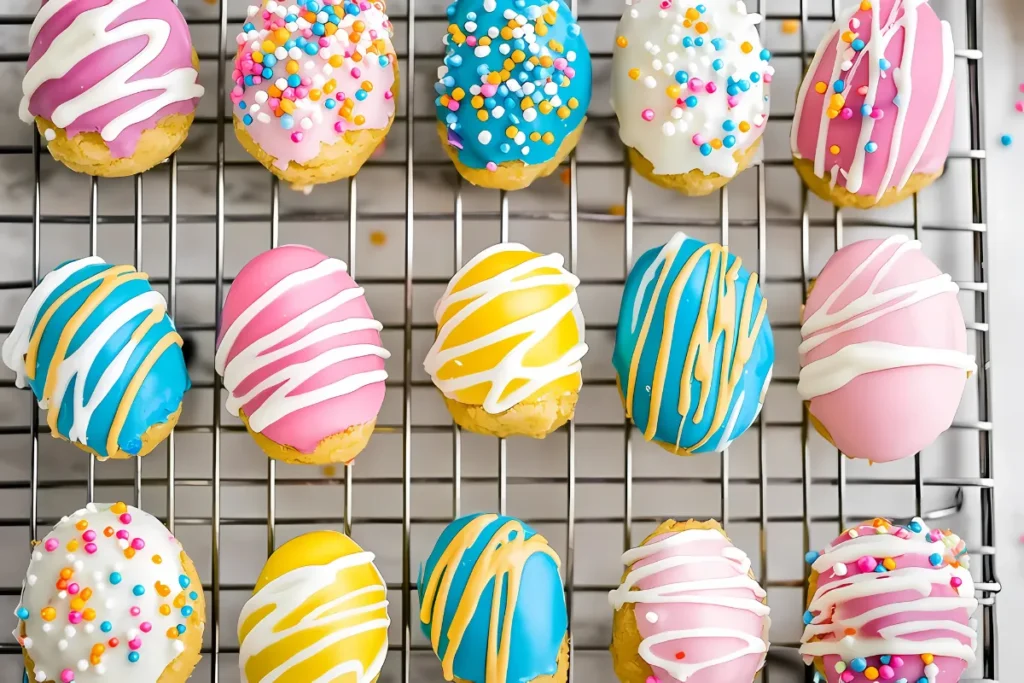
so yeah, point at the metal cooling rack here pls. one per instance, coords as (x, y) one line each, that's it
(971, 495)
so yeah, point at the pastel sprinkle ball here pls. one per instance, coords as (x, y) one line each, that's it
(1006, 140)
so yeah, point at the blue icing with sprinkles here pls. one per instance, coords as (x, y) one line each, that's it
(538, 623)
(124, 296)
(533, 53)
(658, 304)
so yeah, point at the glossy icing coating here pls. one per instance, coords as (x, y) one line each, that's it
(486, 636)
(299, 348)
(906, 595)
(318, 614)
(95, 344)
(107, 598)
(693, 349)
(509, 330)
(692, 593)
(309, 71)
(113, 67)
(883, 358)
(690, 83)
(515, 81)
(876, 105)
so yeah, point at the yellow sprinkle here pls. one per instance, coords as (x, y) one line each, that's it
(889, 563)
(744, 127)
(617, 210)
(634, 74)
(482, 115)
(563, 112)
(541, 29)
(716, 143)
(546, 61)
(336, 61)
(621, 41)
(292, 67)
(287, 106)
(526, 103)
(837, 101)
(820, 87)
(791, 26)
(508, 64)
(692, 14)
(78, 604)
(545, 107)
(484, 40)
(494, 78)
(703, 28)
(865, 5)
(556, 46)
(849, 36)
(534, 136)
(548, 137)
(359, 120)
(672, 91)
(458, 94)
(834, 149)
(268, 46)
(257, 57)
(506, 33)
(165, 610)
(832, 113)
(476, 102)
(511, 131)
(746, 47)
(573, 103)
(518, 56)
(927, 659)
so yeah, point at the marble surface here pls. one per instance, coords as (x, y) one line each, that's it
(538, 217)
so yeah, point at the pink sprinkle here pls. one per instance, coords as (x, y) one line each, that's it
(653, 679)
(1022, 87)
(51, 545)
(733, 101)
(122, 534)
(956, 582)
(885, 672)
(696, 84)
(488, 89)
(126, 518)
(257, 69)
(867, 564)
(341, 96)
(240, 39)
(847, 676)
(135, 611)
(75, 617)
(570, 72)
(665, 4)
(680, 102)
(1019, 106)
(647, 114)
(89, 535)
(698, 139)
(711, 88)
(471, 41)
(67, 676)
(491, 166)
(453, 105)
(561, 63)
(138, 543)
(274, 103)
(846, 113)
(145, 627)
(73, 589)
(307, 81)
(896, 661)
(338, 127)
(289, 93)
(297, 136)
(324, 42)
(356, 73)
(135, 643)
(388, 95)
(301, 92)
(877, 113)
(767, 78)
(91, 548)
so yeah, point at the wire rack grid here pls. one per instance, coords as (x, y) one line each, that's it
(953, 493)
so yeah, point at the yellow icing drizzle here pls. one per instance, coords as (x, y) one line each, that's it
(502, 560)
(319, 612)
(699, 363)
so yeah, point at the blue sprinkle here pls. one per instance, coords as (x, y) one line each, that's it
(483, 70)
(310, 49)
(351, 8)
(331, 103)
(22, 613)
(744, 84)
(705, 149)
(313, 6)
(455, 60)
(765, 55)
(471, 16)
(729, 125)
(490, 103)
(301, 41)
(440, 89)
(729, 141)
(935, 559)
(318, 29)
(812, 556)
(450, 11)
(858, 664)
(512, 118)
(717, 64)
(871, 147)
(755, 77)
(733, 90)
(115, 578)
(691, 101)
(451, 118)
(133, 657)
(186, 611)
(290, 44)
(289, 19)
(879, 569)
(181, 628)
(193, 596)
(808, 618)
(885, 659)
(250, 27)
(717, 43)
(249, 82)
(139, 590)
(682, 77)
(839, 85)
(915, 526)
(383, 60)
(334, 19)
(505, 147)
(267, 73)
(865, 110)
(449, 81)
(247, 120)
(896, 100)
(702, 9)
(857, 45)
(519, 44)
(698, 41)
(922, 679)
(687, 41)
(884, 64)
(295, 80)
(287, 122)
(106, 627)
(269, 60)
(509, 103)
(1007, 140)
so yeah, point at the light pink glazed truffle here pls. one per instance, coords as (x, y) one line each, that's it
(883, 359)
(299, 349)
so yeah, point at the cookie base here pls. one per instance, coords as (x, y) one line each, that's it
(844, 199)
(629, 666)
(536, 419)
(694, 183)
(511, 175)
(560, 676)
(336, 161)
(337, 448)
(151, 438)
(182, 666)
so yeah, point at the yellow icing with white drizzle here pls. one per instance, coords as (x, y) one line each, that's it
(509, 330)
(501, 561)
(705, 337)
(318, 614)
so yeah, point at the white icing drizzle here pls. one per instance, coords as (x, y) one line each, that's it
(536, 327)
(825, 606)
(88, 34)
(253, 358)
(838, 369)
(682, 593)
(287, 592)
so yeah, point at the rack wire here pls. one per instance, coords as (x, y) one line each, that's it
(958, 491)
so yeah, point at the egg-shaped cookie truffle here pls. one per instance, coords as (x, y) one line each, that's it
(874, 115)
(492, 603)
(95, 345)
(688, 610)
(315, 87)
(690, 89)
(693, 348)
(890, 603)
(319, 612)
(110, 595)
(509, 343)
(301, 357)
(112, 86)
(513, 92)
(883, 359)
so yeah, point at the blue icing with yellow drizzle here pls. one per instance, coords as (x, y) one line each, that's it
(515, 82)
(483, 550)
(108, 328)
(693, 347)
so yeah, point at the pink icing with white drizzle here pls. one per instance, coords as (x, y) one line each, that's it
(910, 622)
(694, 597)
(337, 73)
(910, 137)
(883, 332)
(113, 67)
(299, 348)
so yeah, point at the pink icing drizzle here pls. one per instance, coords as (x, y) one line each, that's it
(899, 410)
(925, 79)
(304, 428)
(102, 62)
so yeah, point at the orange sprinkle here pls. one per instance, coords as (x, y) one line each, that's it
(820, 87)
(692, 13)
(77, 604)
(565, 176)
(85, 594)
(634, 74)
(746, 47)
(82, 525)
(281, 35)
(457, 94)
(832, 113)
(273, 91)
(378, 238)
(744, 126)
(545, 107)
(172, 633)
(617, 210)
(359, 25)
(518, 56)
(67, 573)
(865, 5)
(716, 143)
(850, 631)
(165, 610)
(621, 41)
(359, 120)
(315, 94)
(834, 149)
(129, 553)
(849, 36)
(791, 26)
(89, 614)
(927, 659)
(48, 614)
(163, 590)
(157, 559)
(702, 28)
(563, 112)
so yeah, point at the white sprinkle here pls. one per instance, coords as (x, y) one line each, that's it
(89, 628)
(70, 631)
(306, 123)
(40, 675)
(650, 82)
(528, 88)
(839, 569)
(556, 101)
(667, 128)
(482, 51)
(854, 533)
(634, 13)
(27, 643)
(846, 66)
(550, 89)
(474, 89)
(101, 668)
(520, 138)
(32, 578)
(470, 26)
(669, 69)
(254, 109)
(492, 32)
(62, 645)
(673, 39)
(504, 48)
(281, 83)
(530, 114)
(261, 97)
(281, 53)
(508, 14)
(525, 150)
(82, 665)
(518, 32)
(36, 555)
(521, 20)
(50, 135)
(513, 85)
(47, 628)
(490, 5)
(178, 647)
(62, 595)
(656, 65)
(676, 113)
(484, 137)
(295, 53)
(498, 112)
(570, 56)
(652, 618)
(263, 118)
(253, 9)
